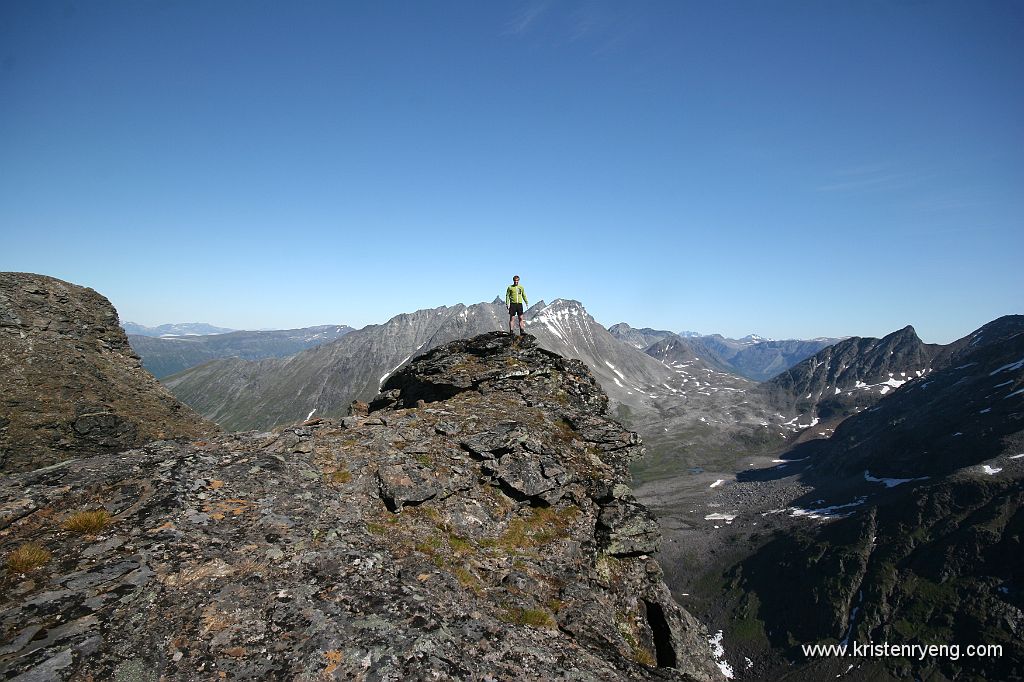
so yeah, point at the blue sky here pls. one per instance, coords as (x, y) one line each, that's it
(794, 169)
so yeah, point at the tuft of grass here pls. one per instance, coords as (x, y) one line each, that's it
(339, 476)
(645, 657)
(87, 522)
(467, 579)
(27, 557)
(538, 618)
(542, 526)
(459, 545)
(428, 546)
(640, 653)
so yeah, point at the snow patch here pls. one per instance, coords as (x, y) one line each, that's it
(891, 482)
(1008, 368)
(310, 414)
(717, 516)
(990, 470)
(392, 370)
(718, 653)
(831, 512)
(717, 483)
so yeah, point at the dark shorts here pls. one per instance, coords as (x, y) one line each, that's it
(515, 309)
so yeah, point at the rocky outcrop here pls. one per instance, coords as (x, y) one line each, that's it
(71, 383)
(475, 523)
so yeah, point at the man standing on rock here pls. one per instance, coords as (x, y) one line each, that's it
(515, 297)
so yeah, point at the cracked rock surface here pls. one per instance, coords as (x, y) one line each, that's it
(475, 524)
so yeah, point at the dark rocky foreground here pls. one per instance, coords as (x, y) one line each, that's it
(475, 525)
(69, 381)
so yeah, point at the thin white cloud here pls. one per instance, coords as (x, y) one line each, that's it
(525, 18)
(870, 178)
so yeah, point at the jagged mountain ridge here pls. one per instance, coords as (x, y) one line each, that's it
(170, 355)
(71, 382)
(853, 374)
(476, 525)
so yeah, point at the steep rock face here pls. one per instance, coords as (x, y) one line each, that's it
(854, 374)
(955, 417)
(850, 376)
(71, 382)
(474, 525)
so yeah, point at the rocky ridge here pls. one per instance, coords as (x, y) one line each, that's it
(474, 524)
(71, 383)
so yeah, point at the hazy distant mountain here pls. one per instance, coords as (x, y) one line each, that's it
(179, 329)
(755, 357)
(638, 338)
(166, 356)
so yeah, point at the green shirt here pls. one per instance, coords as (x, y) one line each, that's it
(515, 294)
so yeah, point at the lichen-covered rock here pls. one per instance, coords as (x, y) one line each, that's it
(486, 534)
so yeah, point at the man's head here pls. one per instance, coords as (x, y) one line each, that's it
(515, 279)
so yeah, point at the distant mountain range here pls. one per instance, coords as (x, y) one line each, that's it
(169, 355)
(179, 329)
(681, 404)
(752, 356)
